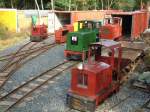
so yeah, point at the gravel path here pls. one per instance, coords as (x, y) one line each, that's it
(52, 97)
(38, 65)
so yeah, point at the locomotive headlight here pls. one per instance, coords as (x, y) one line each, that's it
(80, 66)
(74, 40)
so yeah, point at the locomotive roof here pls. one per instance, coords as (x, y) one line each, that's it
(107, 43)
(94, 67)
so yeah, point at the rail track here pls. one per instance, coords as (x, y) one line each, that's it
(127, 74)
(15, 63)
(20, 53)
(14, 97)
(146, 105)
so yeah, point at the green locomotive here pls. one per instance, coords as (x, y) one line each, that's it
(78, 42)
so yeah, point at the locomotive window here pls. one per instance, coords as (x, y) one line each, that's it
(90, 25)
(98, 25)
(83, 80)
(64, 32)
(74, 40)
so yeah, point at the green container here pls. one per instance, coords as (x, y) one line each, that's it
(79, 41)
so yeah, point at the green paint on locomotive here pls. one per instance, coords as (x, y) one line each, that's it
(79, 41)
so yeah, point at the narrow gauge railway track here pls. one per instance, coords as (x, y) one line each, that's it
(127, 74)
(22, 52)
(117, 104)
(33, 84)
(69, 110)
(15, 64)
(13, 58)
(146, 105)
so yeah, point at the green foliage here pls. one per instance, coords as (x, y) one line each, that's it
(137, 4)
(127, 5)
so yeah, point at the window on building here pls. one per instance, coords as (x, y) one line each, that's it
(82, 80)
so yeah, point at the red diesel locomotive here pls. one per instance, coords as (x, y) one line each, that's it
(38, 33)
(93, 82)
(60, 34)
(112, 28)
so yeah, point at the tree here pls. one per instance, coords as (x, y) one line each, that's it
(140, 4)
(127, 5)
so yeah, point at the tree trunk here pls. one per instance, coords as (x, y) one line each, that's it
(42, 4)
(95, 4)
(52, 4)
(108, 4)
(12, 4)
(76, 6)
(112, 1)
(69, 5)
(102, 4)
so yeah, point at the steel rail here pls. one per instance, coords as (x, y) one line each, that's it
(46, 73)
(8, 56)
(19, 64)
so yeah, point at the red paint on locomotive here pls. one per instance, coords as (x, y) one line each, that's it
(112, 29)
(60, 34)
(39, 32)
(93, 82)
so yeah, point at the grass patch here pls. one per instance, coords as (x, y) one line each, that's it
(10, 39)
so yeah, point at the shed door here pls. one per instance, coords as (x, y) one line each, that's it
(126, 25)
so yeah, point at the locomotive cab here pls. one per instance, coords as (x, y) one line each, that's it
(93, 25)
(94, 81)
(77, 44)
(112, 28)
(61, 33)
